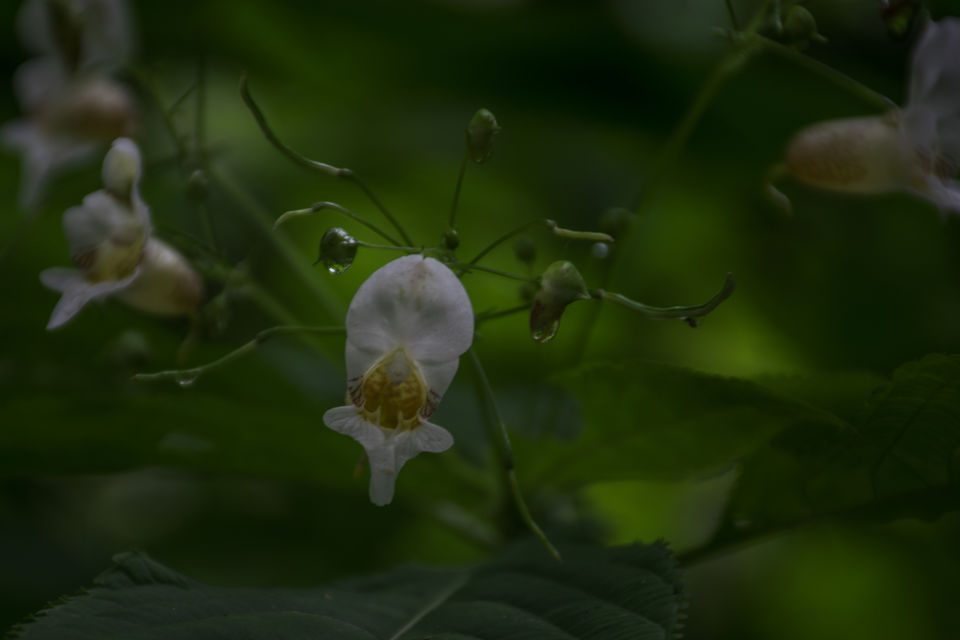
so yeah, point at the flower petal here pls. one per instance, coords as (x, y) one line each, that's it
(347, 421)
(387, 461)
(43, 156)
(167, 284)
(76, 292)
(944, 194)
(438, 376)
(413, 302)
(935, 82)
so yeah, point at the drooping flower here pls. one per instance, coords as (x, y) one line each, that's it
(407, 326)
(110, 242)
(916, 149)
(71, 104)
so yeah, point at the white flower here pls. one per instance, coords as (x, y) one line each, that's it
(110, 242)
(407, 326)
(70, 105)
(916, 149)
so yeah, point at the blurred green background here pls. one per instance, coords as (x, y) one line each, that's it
(235, 480)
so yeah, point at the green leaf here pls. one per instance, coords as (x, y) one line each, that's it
(627, 592)
(649, 421)
(900, 458)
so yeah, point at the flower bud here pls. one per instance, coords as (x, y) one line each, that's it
(197, 186)
(166, 285)
(616, 221)
(451, 239)
(337, 250)
(800, 27)
(525, 250)
(98, 109)
(560, 285)
(483, 126)
(854, 155)
(121, 168)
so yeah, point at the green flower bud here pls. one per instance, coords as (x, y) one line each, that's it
(451, 239)
(337, 250)
(800, 27)
(525, 250)
(616, 221)
(197, 186)
(483, 126)
(560, 285)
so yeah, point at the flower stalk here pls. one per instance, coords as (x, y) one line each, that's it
(688, 314)
(303, 161)
(500, 436)
(186, 377)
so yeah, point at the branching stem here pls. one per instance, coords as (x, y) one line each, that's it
(188, 376)
(303, 161)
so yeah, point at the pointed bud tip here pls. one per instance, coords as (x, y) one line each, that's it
(480, 132)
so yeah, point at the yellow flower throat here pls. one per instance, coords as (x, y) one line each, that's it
(393, 392)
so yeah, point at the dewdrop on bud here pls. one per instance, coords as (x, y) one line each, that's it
(480, 132)
(560, 285)
(337, 250)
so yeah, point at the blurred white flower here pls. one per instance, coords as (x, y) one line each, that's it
(407, 326)
(110, 243)
(70, 103)
(915, 149)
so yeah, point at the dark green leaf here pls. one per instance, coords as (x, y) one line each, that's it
(901, 458)
(651, 421)
(628, 592)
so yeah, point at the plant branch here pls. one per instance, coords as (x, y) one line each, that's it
(319, 206)
(303, 161)
(186, 377)
(689, 314)
(499, 433)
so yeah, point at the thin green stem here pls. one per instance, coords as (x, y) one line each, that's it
(500, 434)
(492, 315)
(733, 15)
(456, 192)
(594, 236)
(146, 81)
(320, 206)
(466, 268)
(200, 146)
(840, 79)
(389, 247)
(303, 161)
(257, 213)
(186, 377)
(689, 314)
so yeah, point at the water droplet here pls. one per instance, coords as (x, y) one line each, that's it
(335, 267)
(187, 378)
(546, 334)
(337, 250)
(600, 250)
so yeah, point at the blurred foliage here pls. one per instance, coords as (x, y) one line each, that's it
(625, 426)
